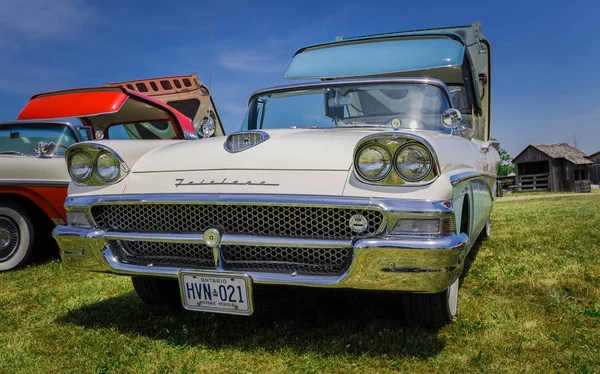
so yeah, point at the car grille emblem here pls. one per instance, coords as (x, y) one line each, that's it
(358, 223)
(212, 238)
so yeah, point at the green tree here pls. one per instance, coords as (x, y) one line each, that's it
(506, 166)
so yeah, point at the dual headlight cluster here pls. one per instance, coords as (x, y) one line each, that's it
(411, 161)
(94, 165)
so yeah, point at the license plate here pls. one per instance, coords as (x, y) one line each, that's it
(230, 294)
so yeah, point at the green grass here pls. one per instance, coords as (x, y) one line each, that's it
(529, 303)
(542, 193)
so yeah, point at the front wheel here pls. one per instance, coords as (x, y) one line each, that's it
(432, 311)
(16, 236)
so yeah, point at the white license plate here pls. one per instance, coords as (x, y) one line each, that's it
(231, 294)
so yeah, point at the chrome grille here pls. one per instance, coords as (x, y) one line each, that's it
(269, 220)
(164, 254)
(309, 261)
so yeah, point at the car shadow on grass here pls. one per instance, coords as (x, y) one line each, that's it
(318, 321)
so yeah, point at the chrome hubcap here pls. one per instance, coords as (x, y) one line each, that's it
(9, 237)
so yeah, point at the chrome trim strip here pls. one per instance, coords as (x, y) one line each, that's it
(466, 175)
(447, 242)
(228, 239)
(36, 183)
(405, 206)
(345, 82)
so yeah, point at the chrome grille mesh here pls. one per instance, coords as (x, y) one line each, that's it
(310, 261)
(164, 254)
(269, 220)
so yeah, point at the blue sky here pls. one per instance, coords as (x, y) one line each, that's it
(545, 64)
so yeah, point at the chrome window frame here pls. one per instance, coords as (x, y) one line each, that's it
(347, 82)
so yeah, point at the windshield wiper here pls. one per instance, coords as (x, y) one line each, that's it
(12, 153)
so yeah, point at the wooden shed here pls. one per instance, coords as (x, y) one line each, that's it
(553, 167)
(595, 168)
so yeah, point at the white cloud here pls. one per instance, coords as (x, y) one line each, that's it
(42, 19)
(253, 61)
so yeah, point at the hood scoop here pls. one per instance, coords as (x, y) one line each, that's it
(240, 141)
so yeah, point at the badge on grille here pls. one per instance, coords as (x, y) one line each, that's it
(212, 238)
(358, 223)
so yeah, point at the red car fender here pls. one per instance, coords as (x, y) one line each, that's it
(50, 199)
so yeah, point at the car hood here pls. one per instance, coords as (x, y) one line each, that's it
(286, 149)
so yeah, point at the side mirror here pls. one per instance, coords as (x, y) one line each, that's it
(451, 118)
(207, 128)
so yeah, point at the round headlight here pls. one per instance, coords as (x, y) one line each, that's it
(107, 167)
(373, 162)
(80, 167)
(207, 128)
(413, 162)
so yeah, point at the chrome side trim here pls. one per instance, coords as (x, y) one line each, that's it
(33, 183)
(472, 174)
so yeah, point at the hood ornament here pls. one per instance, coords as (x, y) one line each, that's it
(240, 141)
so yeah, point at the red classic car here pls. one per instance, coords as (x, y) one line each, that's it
(33, 174)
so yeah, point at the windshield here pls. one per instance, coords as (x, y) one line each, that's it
(415, 105)
(20, 139)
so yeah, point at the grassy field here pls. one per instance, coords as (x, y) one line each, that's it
(529, 303)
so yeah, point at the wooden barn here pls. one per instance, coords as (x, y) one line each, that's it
(595, 168)
(552, 167)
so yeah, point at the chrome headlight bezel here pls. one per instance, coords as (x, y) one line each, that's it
(385, 154)
(393, 142)
(94, 151)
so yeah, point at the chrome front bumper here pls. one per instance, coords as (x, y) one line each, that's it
(383, 262)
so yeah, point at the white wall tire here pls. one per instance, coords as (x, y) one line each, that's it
(486, 232)
(16, 236)
(452, 295)
(432, 311)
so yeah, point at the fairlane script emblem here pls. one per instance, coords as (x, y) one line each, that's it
(358, 223)
(224, 182)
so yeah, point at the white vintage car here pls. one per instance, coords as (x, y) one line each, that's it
(383, 182)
